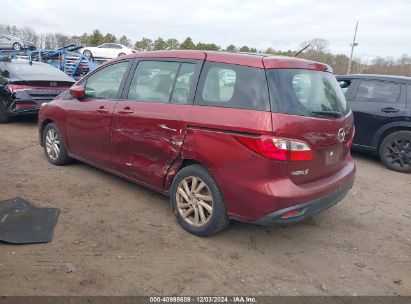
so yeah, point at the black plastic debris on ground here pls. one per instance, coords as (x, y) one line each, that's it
(23, 223)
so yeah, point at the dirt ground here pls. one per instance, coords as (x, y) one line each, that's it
(124, 240)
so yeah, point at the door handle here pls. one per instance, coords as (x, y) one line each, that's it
(102, 110)
(389, 110)
(126, 110)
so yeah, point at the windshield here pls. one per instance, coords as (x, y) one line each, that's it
(305, 92)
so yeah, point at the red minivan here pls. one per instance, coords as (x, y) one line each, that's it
(255, 138)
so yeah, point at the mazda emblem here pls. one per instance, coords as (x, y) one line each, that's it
(341, 135)
(53, 84)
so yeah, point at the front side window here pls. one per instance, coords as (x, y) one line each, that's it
(374, 90)
(105, 83)
(305, 92)
(233, 86)
(153, 81)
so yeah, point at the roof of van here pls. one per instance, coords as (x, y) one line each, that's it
(247, 59)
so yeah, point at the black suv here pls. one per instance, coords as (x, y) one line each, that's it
(382, 115)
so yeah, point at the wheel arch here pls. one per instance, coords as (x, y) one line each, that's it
(388, 129)
(43, 125)
(175, 167)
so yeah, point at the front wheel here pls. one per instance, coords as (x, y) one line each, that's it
(197, 201)
(54, 148)
(395, 151)
(121, 54)
(88, 54)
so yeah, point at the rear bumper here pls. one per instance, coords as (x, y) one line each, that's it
(24, 110)
(259, 197)
(308, 209)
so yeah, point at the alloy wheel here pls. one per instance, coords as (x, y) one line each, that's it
(17, 46)
(398, 153)
(52, 144)
(194, 201)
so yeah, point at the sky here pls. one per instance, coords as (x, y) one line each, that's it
(384, 26)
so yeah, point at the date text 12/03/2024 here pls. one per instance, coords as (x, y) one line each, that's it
(204, 299)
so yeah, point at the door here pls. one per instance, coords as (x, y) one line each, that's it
(88, 121)
(149, 125)
(374, 104)
(101, 51)
(109, 51)
(116, 50)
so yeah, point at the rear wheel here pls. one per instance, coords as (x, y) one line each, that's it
(54, 148)
(197, 201)
(17, 46)
(121, 54)
(395, 151)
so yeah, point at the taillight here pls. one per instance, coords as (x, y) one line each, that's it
(349, 142)
(11, 87)
(16, 87)
(277, 148)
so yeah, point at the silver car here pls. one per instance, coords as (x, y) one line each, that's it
(9, 42)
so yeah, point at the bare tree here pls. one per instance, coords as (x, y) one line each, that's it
(316, 44)
(28, 34)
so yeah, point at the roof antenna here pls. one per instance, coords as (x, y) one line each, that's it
(303, 49)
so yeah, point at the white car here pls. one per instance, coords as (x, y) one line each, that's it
(106, 51)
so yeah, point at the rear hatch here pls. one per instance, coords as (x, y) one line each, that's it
(309, 106)
(38, 91)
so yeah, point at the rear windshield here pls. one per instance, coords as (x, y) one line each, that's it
(305, 92)
(25, 70)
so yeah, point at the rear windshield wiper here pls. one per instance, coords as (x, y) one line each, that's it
(328, 113)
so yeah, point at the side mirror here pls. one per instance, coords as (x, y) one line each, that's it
(77, 92)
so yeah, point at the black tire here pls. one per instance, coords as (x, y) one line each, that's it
(121, 54)
(88, 54)
(62, 157)
(3, 115)
(17, 46)
(218, 219)
(395, 151)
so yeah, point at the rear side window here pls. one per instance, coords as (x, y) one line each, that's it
(305, 92)
(374, 90)
(233, 86)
